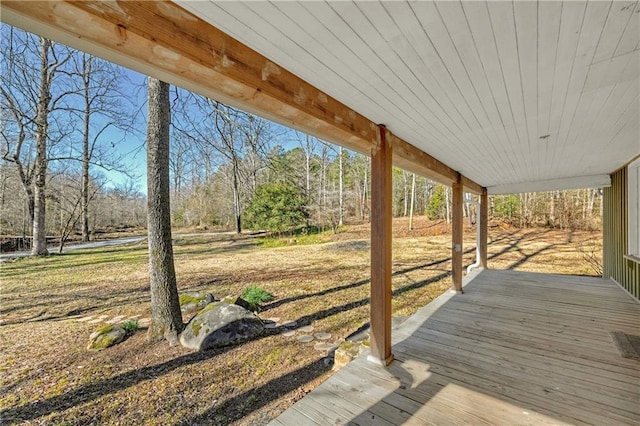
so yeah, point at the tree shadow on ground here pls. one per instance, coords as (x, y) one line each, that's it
(92, 391)
(513, 244)
(95, 390)
(256, 398)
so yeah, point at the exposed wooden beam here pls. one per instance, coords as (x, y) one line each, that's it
(456, 235)
(484, 218)
(471, 186)
(381, 234)
(160, 39)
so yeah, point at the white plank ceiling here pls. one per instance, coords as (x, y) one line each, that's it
(517, 95)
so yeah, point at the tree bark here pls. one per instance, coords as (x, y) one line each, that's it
(365, 186)
(39, 247)
(86, 76)
(340, 189)
(236, 197)
(405, 188)
(446, 205)
(413, 197)
(166, 319)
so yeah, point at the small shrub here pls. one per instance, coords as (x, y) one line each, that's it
(130, 326)
(256, 295)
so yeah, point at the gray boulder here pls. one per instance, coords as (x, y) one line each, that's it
(194, 300)
(220, 324)
(105, 337)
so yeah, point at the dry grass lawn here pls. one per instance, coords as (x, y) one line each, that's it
(48, 377)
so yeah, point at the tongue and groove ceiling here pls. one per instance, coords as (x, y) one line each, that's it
(517, 96)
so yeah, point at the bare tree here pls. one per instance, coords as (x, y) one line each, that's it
(101, 109)
(239, 138)
(29, 100)
(166, 319)
(413, 198)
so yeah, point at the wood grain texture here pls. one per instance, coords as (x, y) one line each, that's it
(510, 94)
(516, 348)
(381, 235)
(162, 39)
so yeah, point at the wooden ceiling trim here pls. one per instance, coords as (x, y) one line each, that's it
(185, 50)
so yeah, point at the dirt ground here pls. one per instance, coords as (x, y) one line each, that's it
(48, 377)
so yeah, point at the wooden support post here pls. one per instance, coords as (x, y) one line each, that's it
(381, 198)
(456, 248)
(484, 213)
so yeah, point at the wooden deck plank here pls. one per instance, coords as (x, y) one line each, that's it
(520, 374)
(515, 348)
(554, 363)
(477, 402)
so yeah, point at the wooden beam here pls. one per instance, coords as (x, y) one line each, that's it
(484, 217)
(471, 186)
(412, 159)
(160, 39)
(456, 235)
(381, 200)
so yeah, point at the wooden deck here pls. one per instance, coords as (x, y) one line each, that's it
(517, 348)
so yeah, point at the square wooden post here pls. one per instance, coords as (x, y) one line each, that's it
(456, 247)
(381, 223)
(484, 217)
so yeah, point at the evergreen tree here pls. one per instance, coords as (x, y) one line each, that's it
(276, 207)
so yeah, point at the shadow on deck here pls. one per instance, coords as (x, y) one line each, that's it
(516, 348)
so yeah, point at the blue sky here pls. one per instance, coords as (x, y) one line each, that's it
(130, 147)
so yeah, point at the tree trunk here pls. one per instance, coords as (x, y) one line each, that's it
(552, 211)
(405, 182)
(166, 319)
(39, 247)
(85, 149)
(236, 198)
(413, 196)
(340, 190)
(307, 154)
(365, 186)
(592, 197)
(446, 205)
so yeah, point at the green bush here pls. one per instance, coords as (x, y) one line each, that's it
(506, 206)
(256, 295)
(436, 208)
(130, 326)
(276, 207)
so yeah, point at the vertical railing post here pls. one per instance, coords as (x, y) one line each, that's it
(381, 249)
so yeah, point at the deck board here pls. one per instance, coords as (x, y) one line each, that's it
(515, 348)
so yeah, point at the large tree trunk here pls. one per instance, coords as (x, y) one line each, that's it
(166, 319)
(39, 247)
(85, 148)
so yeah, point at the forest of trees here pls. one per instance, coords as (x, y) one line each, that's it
(66, 119)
